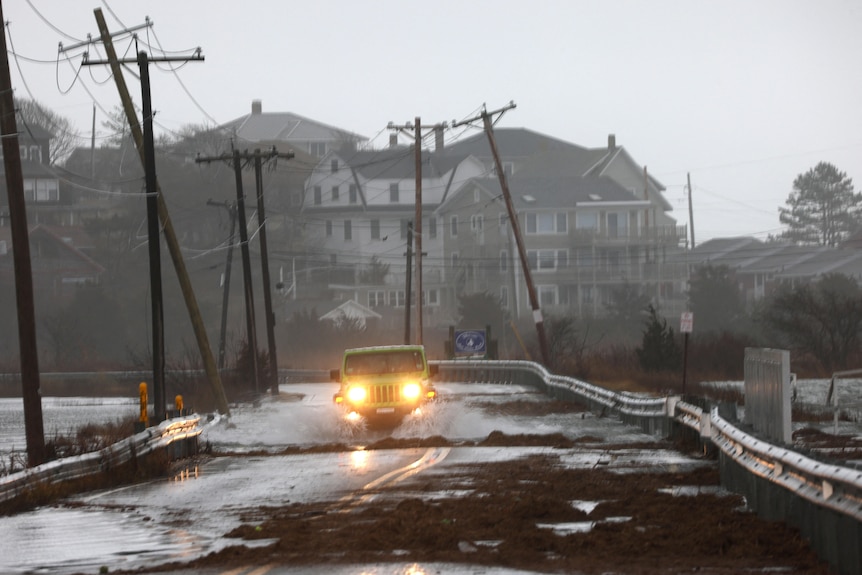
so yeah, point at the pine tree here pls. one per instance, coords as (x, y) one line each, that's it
(659, 350)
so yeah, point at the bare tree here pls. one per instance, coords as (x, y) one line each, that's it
(823, 318)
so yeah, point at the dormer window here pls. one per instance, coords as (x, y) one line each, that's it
(36, 154)
(333, 166)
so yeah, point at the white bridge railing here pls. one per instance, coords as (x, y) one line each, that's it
(169, 433)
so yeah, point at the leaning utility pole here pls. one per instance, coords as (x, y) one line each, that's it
(30, 384)
(167, 224)
(485, 116)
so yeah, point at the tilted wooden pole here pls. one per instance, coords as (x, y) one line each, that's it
(167, 225)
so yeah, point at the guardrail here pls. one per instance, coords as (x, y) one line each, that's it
(178, 435)
(823, 501)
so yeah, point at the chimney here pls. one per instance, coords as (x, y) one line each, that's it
(438, 138)
(612, 142)
(256, 107)
(393, 140)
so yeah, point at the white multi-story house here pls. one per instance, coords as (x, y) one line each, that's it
(592, 219)
(356, 212)
(584, 238)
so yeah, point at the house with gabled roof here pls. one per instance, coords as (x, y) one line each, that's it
(58, 266)
(356, 210)
(41, 184)
(289, 131)
(584, 237)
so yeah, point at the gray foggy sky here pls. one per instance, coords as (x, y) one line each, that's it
(745, 95)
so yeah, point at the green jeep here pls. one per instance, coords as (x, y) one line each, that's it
(384, 382)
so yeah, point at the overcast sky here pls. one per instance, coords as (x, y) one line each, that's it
(743, 94)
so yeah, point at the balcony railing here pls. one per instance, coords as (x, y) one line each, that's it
(653, 235)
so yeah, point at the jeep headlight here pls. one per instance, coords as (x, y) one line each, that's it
(411, 390)
(357, 394)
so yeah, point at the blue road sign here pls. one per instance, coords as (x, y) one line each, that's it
(470, 342)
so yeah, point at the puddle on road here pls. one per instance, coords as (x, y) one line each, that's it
(577, 527)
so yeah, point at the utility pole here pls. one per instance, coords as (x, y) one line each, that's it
(164, 216)
(417, 128)
(690, 210)
(231, 209)
(408, 287)
(30, 384)
(488, 125)
(236, 158)
(264, 262)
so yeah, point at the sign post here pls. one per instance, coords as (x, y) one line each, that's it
(686, 324)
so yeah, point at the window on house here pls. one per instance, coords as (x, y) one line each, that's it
(375, 229)
(504, 261)
(453, 227)
(546, 223)
(544, 260)
(503, 220)
(562, 259)
(476, 223)
(508, 168)
(328, 228)
(296, 199)
(617, 224)
(376, 299)
(47, 191)
(317, 149)
(587, 294)
(333, 166)
(547, 295)
(333, 260)
(403, 225)
(586, 259)
(504, 297)
(351, 193)
(432, 227)
(430, 297)
(318, 196)
(454, 260)
(393, 193)
(348, 230)
(36, 153)
(30, 190)
(396, 298)
(587, 220)
(335, 193)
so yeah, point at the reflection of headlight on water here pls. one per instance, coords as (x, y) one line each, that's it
(356, 394)
(353, 416)
(411, 391)
(359, 459)
(415, 570)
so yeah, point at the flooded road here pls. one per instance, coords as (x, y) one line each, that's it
(187, 515)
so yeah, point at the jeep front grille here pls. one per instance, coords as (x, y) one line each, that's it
(385, 393)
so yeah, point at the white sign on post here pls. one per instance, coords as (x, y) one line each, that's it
(686, 322)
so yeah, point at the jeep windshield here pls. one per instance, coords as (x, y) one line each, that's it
(399, 361)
